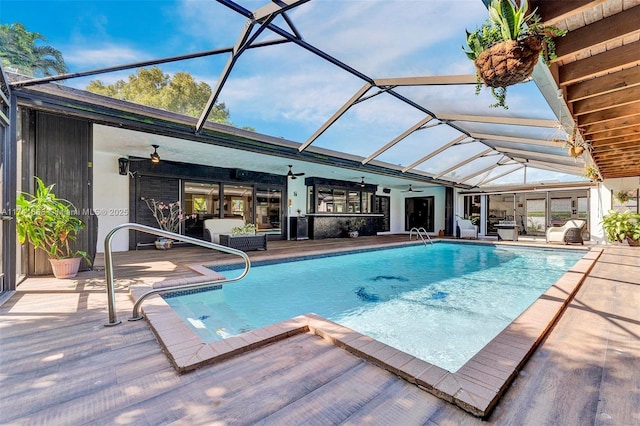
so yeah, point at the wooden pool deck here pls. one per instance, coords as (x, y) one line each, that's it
(60, 365)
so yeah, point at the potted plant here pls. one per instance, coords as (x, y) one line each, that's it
(575, 143)
(507, 47)
(49, 224)
(354, 226)
(622, 196)
(169, 216)
(621, 226)
(592, 172)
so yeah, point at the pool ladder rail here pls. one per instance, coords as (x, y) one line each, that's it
(420, 232)
(108, 268)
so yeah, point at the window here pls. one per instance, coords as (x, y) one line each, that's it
(324, 196)
(268, 210)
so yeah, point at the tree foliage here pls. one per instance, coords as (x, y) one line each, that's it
(154, 88)
(19, 52)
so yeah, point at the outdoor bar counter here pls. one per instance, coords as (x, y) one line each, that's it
(327, 225)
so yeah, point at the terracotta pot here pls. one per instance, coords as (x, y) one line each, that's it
(65, 268)
(632, 242)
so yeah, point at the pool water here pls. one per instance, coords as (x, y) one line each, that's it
(441, 303)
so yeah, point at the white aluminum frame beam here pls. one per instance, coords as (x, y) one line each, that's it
(513, 139)
(436, 152)
(344, 108)
(467, 161)
(526, 154)
(483, 182)
(512, 121)
(471, 176)
(436, 80)
(397, 139)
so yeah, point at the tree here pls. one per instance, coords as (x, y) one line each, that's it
(19, 52)
(152, 87)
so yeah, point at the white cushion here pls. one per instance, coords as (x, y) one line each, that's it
(221, 226)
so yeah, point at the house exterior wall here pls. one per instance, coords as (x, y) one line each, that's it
(110, 199)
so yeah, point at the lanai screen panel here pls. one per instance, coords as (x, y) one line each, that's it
(419, 143)
(451, 157)
(369, 125)
(285, 91)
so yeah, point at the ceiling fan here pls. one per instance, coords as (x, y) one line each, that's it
(412, 190)
(292, 175)
(123, 162)
(155, 157)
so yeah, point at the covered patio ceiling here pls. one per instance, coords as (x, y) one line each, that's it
(598, 70)
(441, 131)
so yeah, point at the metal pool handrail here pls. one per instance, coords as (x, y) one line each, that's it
(419, 232)
(108, 267)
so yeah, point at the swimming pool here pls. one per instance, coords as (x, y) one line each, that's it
(441, 303)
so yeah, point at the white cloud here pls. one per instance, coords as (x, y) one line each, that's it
(83, 58)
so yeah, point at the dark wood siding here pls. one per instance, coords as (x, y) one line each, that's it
(62, 155)
(158, 187)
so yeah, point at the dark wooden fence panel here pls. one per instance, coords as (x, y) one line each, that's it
(63, 156)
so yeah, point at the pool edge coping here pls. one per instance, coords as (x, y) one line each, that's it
(476, 387)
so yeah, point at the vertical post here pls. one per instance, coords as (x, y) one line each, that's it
(108, 272)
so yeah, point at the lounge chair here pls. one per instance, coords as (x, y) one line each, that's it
(467, 229)
(570, 232)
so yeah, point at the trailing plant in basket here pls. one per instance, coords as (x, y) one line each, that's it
(507, 47)
(48, 222)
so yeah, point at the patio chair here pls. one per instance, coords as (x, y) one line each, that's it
(467, 229)
(570, 232)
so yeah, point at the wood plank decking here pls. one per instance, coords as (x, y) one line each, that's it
(60, 365)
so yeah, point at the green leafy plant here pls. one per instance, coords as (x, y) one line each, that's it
(248, 229)
(356, 223)
(592, 172)
(510, 22)
(48, 222)
(620, 226)
(622, 196)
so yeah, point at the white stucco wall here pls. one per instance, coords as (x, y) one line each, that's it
(398, 210)
(600, 203)
(110, 199)
(297, 195)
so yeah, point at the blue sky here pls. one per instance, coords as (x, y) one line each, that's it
(283, 90)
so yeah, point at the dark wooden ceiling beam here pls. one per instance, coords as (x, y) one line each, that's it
(610, 114)
(602, 137)
(609, 83)
(622, 161)
(610, 61)
(614, 141)
(614, 27)
(619, 160)
(610, 100)
(554, 11)
(627, 143)
(620, 173)
(619, 125)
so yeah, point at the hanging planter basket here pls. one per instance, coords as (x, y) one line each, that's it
(508, 62)
(575, 151)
